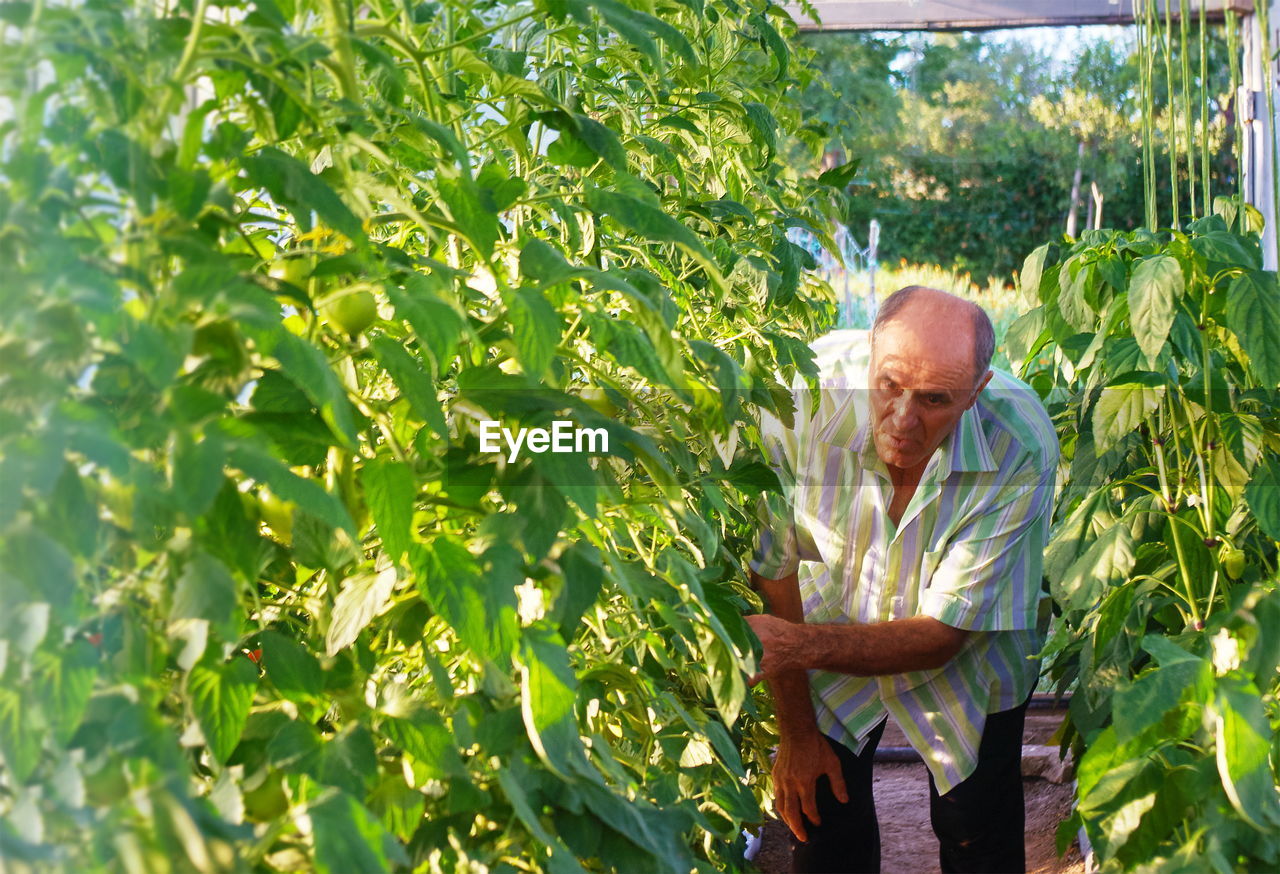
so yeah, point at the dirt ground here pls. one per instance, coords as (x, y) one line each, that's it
(907, 843)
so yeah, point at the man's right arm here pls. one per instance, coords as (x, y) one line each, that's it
(803, 753)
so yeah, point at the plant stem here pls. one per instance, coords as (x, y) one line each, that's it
(1185, 11)
(1170, 509)
(193, 40)
(478, 34)
(335, 17)
(1171, 110)
(1205, 174)
(1233, 51)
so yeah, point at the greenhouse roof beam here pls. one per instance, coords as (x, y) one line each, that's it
(986, 14)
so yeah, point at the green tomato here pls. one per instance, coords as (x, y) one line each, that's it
(106, 787)
(268, 801)
(295, 271)
(1233, 561)
(352, 313)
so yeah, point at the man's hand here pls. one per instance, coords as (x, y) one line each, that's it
(801, 761)
(782, 644)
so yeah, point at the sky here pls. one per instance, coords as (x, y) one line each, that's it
(1063, 43)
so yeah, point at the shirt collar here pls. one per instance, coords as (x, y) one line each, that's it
(967, 445)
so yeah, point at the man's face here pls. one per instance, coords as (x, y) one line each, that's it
(921, 383)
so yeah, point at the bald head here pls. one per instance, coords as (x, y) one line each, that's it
(930, 312)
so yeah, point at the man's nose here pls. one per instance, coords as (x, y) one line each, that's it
(904, 414)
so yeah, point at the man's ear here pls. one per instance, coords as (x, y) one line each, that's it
(973, 399)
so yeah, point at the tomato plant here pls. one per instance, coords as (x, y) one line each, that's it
(431, 658)
(1156, 354)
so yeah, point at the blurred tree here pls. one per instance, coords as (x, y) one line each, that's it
(969, 145)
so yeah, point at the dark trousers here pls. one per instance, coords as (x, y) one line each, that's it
(979, 823)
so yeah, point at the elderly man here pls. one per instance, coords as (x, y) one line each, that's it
(902, 571)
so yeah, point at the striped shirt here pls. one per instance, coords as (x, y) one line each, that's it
(968, 551)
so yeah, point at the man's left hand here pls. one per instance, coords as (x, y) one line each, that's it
(782, 642)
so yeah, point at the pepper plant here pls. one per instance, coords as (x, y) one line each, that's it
(1157, 355)
(268, 605)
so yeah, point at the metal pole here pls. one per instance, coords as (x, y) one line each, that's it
(1256, 146)
(873, 243)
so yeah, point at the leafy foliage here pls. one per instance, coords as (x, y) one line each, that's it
(268, 605)
(1163, 562)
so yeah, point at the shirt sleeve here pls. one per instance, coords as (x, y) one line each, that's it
(776, 554)
(989, 578)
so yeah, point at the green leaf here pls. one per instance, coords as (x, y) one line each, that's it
(1026, 336)
(568, 150)
(424, 735)
(1154, 291)
(293, 185)
(220, 696)
(1165, 651)
(207, 591)
(390, 488)
(20, 741)
(657, 831)
(572, 476)
(348, 837)
(1263, 496)
(764, 125)
(197, 472)
(1145, 703)
(288, 486)
(437, 325)
(548, 693)
(1243, 735)
(414, 383)
(840, 176)
(543, 263)
(66, 686)
(1108, 559)
(310, 370)
(583, 581)
(535, 328)
(478, 223)
(481, 607)
(651, 224)
(724, 673)
(290, 666)
(348, 761)
(562, 861)
(1253, 311)
(1073, 297)
(363, 597)
(1113, 271)
(776, 45)
(602, 141)
(445, 138)
(1224, 248)
(633, 26)
(1124, 405)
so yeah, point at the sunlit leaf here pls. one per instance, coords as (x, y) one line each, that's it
(220, 695)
